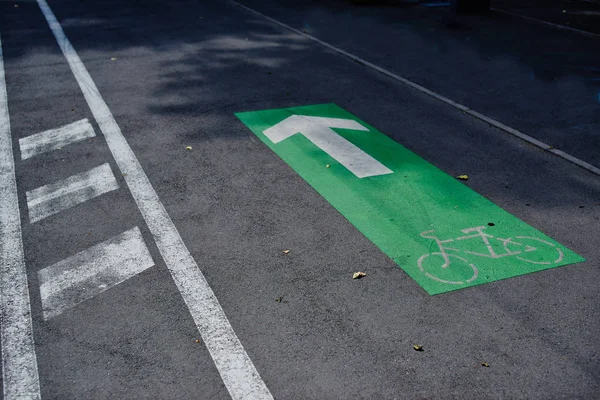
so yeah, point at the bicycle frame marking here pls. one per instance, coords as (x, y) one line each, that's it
(485, 237)
(446, 252)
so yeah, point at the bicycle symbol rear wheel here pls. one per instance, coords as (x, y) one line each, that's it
(458, 272)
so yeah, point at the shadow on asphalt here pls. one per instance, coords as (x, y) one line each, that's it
(218, 65)
(203, 65)
(542, 81)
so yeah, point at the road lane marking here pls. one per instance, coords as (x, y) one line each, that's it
(54, 139)
(235, 367)
(55, 197)
(547, 23)
(92, 271)
(318, 130)
(19, 365)
(529, 139)
(442, 233)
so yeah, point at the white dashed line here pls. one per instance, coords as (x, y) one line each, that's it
(92, 271)
(58, 196)
(55, 139)
(235, 367)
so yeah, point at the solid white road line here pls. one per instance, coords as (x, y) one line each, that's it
(235, 367)
(550, 24)
(19, 364)
(54, 139)
(92, 271)
(416, 86)
(58, 196)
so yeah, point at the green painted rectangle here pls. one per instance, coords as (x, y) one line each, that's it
(443, 234)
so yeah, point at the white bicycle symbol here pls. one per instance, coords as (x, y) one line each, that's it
(529, 249)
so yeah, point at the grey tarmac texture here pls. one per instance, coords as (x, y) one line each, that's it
(182, 69)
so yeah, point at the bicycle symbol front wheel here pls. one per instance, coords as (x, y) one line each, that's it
(536, 251)
(458, 271)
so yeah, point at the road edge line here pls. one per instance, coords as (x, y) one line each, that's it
(237, 371)
(549, 24)
(499, 125)
(19, 363)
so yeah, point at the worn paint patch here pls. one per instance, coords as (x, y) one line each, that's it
(438, 230)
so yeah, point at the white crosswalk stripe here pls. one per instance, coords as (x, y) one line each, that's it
(92, 271)
(55, 139)
(58, 196)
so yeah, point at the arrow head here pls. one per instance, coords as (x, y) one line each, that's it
(303, 123)
(318, 131)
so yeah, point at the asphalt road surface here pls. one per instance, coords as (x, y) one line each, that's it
(145, 228)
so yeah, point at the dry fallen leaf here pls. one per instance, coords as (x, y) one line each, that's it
(285, 251)
(197, 340)
(188, 147)
(279, 299)
(484, 364)
(418, 347)
(358, 275)
(463, 177)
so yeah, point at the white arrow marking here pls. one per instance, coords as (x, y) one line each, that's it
(318, 130)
